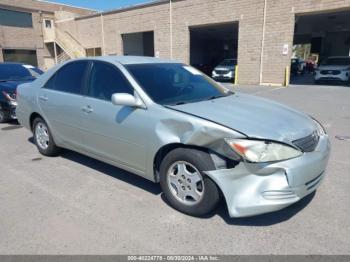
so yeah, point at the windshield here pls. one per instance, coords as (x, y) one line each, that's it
(228, 62)
(18, 72)
(174, 84)
(36, 72)
(337, 61)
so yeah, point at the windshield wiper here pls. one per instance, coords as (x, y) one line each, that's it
(219, 96)
(215, 97)
(179, 103)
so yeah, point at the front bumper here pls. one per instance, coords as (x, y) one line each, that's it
(222, 77)
(252, 189)
(9, 108)
(344, 76)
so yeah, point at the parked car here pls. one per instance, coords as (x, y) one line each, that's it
(225, 70)
(11, 75)
(334, 69)
(171, 124)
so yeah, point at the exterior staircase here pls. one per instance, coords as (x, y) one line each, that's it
(71, 47)
(62, 57)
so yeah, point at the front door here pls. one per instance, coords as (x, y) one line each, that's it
(113, 132)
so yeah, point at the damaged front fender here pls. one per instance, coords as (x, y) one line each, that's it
(184, 129)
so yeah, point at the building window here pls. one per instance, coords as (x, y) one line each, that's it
(15, 18)
(48, 24)
(97, 51)
(21, 56)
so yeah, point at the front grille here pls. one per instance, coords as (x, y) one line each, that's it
(329, 79)
(308, 143)
(221, 72)
(330, 72)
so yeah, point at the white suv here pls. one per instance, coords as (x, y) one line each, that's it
(336, 68)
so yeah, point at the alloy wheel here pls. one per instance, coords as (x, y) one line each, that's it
(42, 135)
(185, 182)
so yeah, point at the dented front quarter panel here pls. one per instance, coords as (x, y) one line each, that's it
(174, 127)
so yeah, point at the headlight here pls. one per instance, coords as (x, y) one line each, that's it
(320, 129)
(262, 151)
(9, 97)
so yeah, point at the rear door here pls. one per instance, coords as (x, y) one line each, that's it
(62, 102)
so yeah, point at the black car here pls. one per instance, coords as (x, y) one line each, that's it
(12, 75)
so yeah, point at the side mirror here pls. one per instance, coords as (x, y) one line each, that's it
(124, 99)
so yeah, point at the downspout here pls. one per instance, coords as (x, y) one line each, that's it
(171, 28)
(103, 35)
(262, 44)
(41, 19)
(55, 52)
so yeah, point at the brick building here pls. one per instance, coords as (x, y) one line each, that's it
(21, 30)
(259, 33)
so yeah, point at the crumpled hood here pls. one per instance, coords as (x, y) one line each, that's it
(253, 116)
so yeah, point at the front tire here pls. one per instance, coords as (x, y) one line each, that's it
(184, 183)
(3, 116)
(43, 138)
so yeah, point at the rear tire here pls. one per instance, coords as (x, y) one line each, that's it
(43, 138)
(184, 183)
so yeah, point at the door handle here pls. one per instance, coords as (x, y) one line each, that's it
(43, 98)
(87, 109)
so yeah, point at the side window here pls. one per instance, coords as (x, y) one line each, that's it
(105, 80)
(69, 78)
(50, 84)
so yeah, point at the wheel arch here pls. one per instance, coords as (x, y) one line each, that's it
(164, 150)
(32, 117)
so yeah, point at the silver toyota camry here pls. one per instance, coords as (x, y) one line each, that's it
(171, 124)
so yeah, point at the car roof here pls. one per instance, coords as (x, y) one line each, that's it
(127, 60)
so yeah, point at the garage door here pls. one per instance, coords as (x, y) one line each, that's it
(21, 56)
